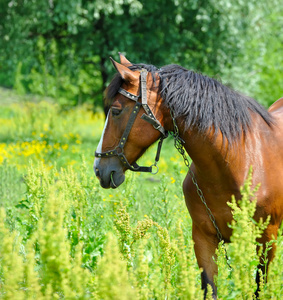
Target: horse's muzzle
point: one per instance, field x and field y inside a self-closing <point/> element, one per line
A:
<point x="109" y="173"/>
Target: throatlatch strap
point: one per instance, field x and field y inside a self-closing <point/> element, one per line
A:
<point x="143" y="86"/>
<point x="149" y="116"/>
<point x="155" y="123"/>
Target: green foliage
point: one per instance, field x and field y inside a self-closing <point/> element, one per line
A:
<point x="10" y="261"/>
<point x="112" y="278"/>
<point x="273" y="287"/>
<point x="61" y="49"/>
<point x="186" y="282"/>
<point x="257" y="70"/>
<point x="243" y="251"/>
<point x="243" y="240"/>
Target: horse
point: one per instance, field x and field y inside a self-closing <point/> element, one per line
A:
<point x="223" y="132"/>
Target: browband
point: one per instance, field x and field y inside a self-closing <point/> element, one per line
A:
<point x="128" y="94"/>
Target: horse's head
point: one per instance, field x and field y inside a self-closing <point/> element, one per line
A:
<point x="135" y="121"/>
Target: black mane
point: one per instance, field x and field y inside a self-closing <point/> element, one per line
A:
<point x="202" y="101"/>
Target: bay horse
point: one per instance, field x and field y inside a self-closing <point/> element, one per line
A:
<point x="222" y="131"/>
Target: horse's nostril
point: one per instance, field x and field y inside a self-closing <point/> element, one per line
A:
<point x="96" y="172"/>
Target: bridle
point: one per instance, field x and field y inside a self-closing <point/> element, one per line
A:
<point x="147" y="116"/>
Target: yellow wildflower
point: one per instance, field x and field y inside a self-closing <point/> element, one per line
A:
<point x="65" y="147"/>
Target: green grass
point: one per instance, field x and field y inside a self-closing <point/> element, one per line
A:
<point x="64" y="237"/>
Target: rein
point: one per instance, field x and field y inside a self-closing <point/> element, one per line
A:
<point x="149" y="117"/>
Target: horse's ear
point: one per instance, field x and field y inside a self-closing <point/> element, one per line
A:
<point x="124" y="60"/>
<point x="126" y="73"/>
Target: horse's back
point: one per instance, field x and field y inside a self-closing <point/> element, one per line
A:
<point x="276" y="107"/>
<point x="275" y="158"/>
<point x="276" y="110"/>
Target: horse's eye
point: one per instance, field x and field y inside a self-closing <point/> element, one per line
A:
<point x="115" y="111"/>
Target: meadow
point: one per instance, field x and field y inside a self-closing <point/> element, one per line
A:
<point x="64" y="237"/>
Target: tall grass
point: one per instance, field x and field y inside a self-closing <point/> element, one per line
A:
<point x="63" y="237"/>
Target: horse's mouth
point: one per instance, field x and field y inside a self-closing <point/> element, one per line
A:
<point x="114" y="181"/>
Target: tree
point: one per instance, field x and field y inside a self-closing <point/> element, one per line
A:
<point x="61" y="48"/>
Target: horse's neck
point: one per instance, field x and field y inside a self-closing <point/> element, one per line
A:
<point x="212" y="157"/>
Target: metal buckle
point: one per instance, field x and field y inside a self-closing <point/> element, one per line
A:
<point x="157" y="127"/>
<point x="156" y="171"/>
<point x="120" y="151"/>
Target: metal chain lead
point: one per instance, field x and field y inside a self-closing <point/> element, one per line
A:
<point x="178" y="142"/>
